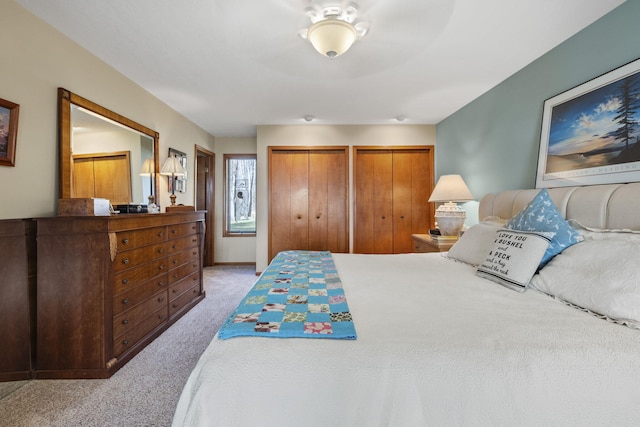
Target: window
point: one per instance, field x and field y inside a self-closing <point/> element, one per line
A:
<point x="239" y="195"/>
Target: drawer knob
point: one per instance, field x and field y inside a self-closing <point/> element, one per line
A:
<point x="125" y="321"/>
<point x="194" y="240"/>
<point x="125" y="241"/>
<point x="125" y="301"/>
<point x="160" y="299"/>
<point x="401" y="216"/>
<point x="159" y="233"/>
<point x="125" y="261"/>
<point x="383" y="217"/>
<point x="173" y="246"/>
<point x="161" y="267"/>
<point x="160" y="284"/>
<point x="175" y="276"/>
<point x="161" y="250"/>
<point x="175" y="305"/>
<point x="125" y="281"/>
<point x="160" y="316"/>
<point x="125" y="342"/>
<point x="174" y="231"/>
<point x="194" y="291"/>
<point x="194" y="252"/>
<point x="175" y="261"/>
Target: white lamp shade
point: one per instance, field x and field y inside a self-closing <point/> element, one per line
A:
<point x="331" y="37"/>
<point x="451" y="188"/>
<point x="172" y="167"/>
<point x="148" y="168"/>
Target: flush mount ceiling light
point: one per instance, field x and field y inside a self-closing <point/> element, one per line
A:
<point x="334" y="29"/>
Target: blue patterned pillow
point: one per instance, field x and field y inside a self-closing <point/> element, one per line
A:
<point x="541" y="214"/>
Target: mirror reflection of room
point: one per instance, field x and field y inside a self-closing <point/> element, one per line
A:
<point x="107" y="159"/>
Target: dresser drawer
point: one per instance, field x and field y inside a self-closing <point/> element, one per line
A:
<point x="137" y="295"/>
<point x="184" y="299"/>
<point x="133" y="335"/>
<point x="183" y="271"/>
<point x="135" y="257"/>
<point x="129" y="279"/>
<point x="183" y="257"/>
<point x="179" y="230"/>
<point x="180" y="287"/>
<point x="136" y="238"/>
<point x="131" y="318"/>
<point x="182" y="243"/>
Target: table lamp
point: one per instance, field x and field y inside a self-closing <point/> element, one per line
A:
<point x="449" y="216"/>
<point x="172" y="167"/>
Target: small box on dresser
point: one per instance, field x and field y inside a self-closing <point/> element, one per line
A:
<point x="110" y="285"/>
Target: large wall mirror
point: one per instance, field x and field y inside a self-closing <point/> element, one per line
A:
<point x="103" y="154"/>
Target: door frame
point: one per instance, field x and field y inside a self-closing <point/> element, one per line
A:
<point x="206" y="178"/>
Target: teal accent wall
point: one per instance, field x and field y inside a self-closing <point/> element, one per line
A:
<point x="493" y="141"/>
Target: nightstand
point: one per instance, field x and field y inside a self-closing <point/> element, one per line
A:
<point x="424" y="243"/>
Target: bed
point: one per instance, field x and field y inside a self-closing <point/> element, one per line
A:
<point x="439" y="345"/>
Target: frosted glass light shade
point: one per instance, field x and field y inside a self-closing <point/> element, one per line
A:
<point x="331" y="37"/>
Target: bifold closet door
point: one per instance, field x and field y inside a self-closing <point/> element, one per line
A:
<point x="308" y="199"/>
<point x="391" y="189"/>
<point x="288" y="201"/>
<point x="374" y="202"/>
<point x="328" y="201"/>
<point x="410" y="194"/>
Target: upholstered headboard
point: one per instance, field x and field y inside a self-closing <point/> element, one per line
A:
<point x="610" y="206"/>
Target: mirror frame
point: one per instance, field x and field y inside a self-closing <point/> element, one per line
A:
<point x="65" y="99"/>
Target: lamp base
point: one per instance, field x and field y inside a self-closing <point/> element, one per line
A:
<point x="450" y="219"/>
<point x="172" y="197"/>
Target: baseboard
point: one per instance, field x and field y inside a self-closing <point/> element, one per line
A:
<point x="234" y="263"/>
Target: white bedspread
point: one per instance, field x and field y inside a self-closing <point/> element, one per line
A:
<point x="437" y="346"/>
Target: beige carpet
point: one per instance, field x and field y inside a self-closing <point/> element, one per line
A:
<point x="146" y="390"/>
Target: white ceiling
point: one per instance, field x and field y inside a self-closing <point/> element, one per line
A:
<point x="229" y="65"/>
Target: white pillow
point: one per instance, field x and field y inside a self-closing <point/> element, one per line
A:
<point x="600" y="274"/>
<point x="514" y="258"/>
<point x="473" y="245"/>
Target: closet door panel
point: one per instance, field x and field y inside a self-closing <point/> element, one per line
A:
<point x="374" y="199"/>
<point x="402" y="203"/>
<point x="328" y="201"/>
<point x="280" y="209"/>
<point x="421" y="186"/>
<point x="300" y="201"/>
<point x="83" y="178"/>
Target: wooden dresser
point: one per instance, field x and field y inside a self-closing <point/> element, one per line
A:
<point x="17" y="288"/>
<point x="108" y="286"/>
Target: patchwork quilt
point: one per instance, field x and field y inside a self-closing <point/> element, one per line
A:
<point x="299" y="295"/>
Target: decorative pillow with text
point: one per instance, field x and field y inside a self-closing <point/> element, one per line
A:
<point x="514" y="258"/>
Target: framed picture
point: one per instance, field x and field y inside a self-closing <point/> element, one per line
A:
<point x="8" y="132"/>
<point x="181" y="181"/>
<point x="590" y="133"/>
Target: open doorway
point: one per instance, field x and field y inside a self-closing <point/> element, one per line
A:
<point x="205" y="173"/>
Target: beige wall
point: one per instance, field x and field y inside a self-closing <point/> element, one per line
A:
<point x="37" y="59"/>
<point x="230" y="249"/>
<point x="313" y="135"/>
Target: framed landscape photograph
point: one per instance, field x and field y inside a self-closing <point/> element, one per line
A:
<point x="590" y="133"/>
<point x="181" y="181"/>
<point x="8" y="132"/>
